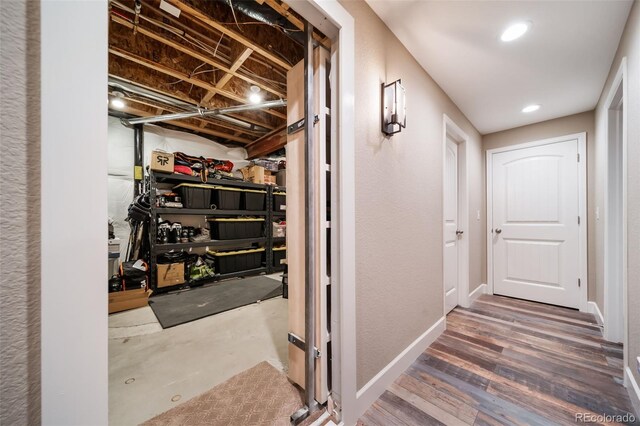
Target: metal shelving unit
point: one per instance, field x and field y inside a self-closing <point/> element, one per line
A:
<point x="271" y="217"/>
<point x="156" y="249"/>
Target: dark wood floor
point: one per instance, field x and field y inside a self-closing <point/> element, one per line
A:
<point x="508" y="362"/>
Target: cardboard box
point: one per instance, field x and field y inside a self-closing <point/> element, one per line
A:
<point x="161" y="162"/>
<point x="170" y="274"/>
<point x="255" y="174"/>
<point x="124" y="300"/>
<point x="270" y="180"/>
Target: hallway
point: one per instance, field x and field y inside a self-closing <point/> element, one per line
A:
<point x="509" y="361"/>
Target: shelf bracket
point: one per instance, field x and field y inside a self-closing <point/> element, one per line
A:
<point x="296" y="127"/>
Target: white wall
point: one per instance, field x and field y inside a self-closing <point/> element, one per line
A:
<point x="121" y="153"/>
<point x="74" y="212"/>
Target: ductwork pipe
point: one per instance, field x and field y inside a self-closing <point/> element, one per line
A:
<point x="203" y="113"/>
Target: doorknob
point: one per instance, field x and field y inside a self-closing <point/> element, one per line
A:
<point x="458" y="232"/>
<point x="498" y="230"/>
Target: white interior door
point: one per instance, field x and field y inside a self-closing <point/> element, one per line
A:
<point x="536" y="234"/>
<point x="451" y="231"/>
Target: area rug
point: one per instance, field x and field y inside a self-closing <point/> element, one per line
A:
<point x="184" y="306"/>
<point x="259" y="396"/>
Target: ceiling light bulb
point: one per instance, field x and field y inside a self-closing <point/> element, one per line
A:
<point x="255" y="98"/>
<point x="117" y="103"/>
<point x="254" y="89"/>
<point x="515" y="31"/>
<point x="531" y="108"/>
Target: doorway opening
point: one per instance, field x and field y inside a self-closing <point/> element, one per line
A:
<point x="212" y="207"/>
<point x="455" y="216"/>
<point x="615" y="248"/>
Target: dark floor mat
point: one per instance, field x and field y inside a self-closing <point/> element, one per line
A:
<point x="178" y="308"/>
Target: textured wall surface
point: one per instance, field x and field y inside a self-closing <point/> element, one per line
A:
<point x="399" y="287"/>
<point x="577" y="123"/>
<point x="19" y="213"/>
<point x="629" y="48"/>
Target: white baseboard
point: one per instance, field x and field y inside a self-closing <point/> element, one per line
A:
<point x="370" y="392"/>
<point x="593" y="309"/>
<point x="633" y="389"/>
<point x="481" y="289"/>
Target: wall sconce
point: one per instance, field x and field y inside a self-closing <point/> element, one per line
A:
<point x="394" y="109"/>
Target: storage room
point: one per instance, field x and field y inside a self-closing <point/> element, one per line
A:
<point x="197" y="184"/>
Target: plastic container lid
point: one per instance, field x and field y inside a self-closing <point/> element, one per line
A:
<point x="234" y="219"/>
<point x="231" y="253"/>
<point x="279" y="193"/>
<point x="195" y="185"/>
<point x="279" y="248"/>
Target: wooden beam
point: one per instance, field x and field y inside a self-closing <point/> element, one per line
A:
<point x="184" y="125"/>
<point x="231" y="72"/>
<point x="224" y="80"/>
<point x="185" y="77"/>
<point x="268" y="144"/>
<point x="187" y="9"/>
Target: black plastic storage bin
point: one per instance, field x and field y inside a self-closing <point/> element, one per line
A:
<point x="226" y="198"/>
<point x="236" y="261"/>
<point x="253" y="199"/>
<point x="279" y="253"/>
<point x="194" y="196"/>
<point x="279" y="201"/>
<point x="236" y="228"/>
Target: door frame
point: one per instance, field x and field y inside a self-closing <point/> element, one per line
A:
<point x="617" y="95"/>
<point x="74" y="356"/>
<point x="582" y="208"/>
<point x="457" y="135"/>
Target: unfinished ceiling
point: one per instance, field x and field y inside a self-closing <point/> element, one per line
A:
<point x="209" y="56"/>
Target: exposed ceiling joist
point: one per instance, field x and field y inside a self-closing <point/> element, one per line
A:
<point x="185" y="77"/>
<point x="187" y="9"/>
<point x="230" y="72"/>
<point x="185" y="125"/>
<point x="224" y="80"/>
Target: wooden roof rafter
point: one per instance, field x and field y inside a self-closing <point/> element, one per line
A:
<point x="184" y="77"/>
<point x="230" y="71"/>
<point x="193" y="12"/>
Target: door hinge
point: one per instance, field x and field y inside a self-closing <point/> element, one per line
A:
<point x="578" y="157"/>
<point x="579" y="282"/>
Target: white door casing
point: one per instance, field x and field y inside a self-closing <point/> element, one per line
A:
<point x="536" y="199"/>
<point x="451" y="257"/>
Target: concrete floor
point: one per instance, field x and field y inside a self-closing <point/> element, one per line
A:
<point x="152" y="370"/>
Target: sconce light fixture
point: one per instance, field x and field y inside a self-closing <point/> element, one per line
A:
<point x="394" y="110"/>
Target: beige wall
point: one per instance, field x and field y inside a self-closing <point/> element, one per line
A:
<point x="577" y="123"/>
<point x="20" y="213"/>
<point x="629" y="48"/>
<point x="399" y="199"/>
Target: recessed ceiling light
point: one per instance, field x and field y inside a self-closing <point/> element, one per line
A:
<point x="515" y="31"/>
<point x="531" y="108"/>
<point x="117" y="103"/>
